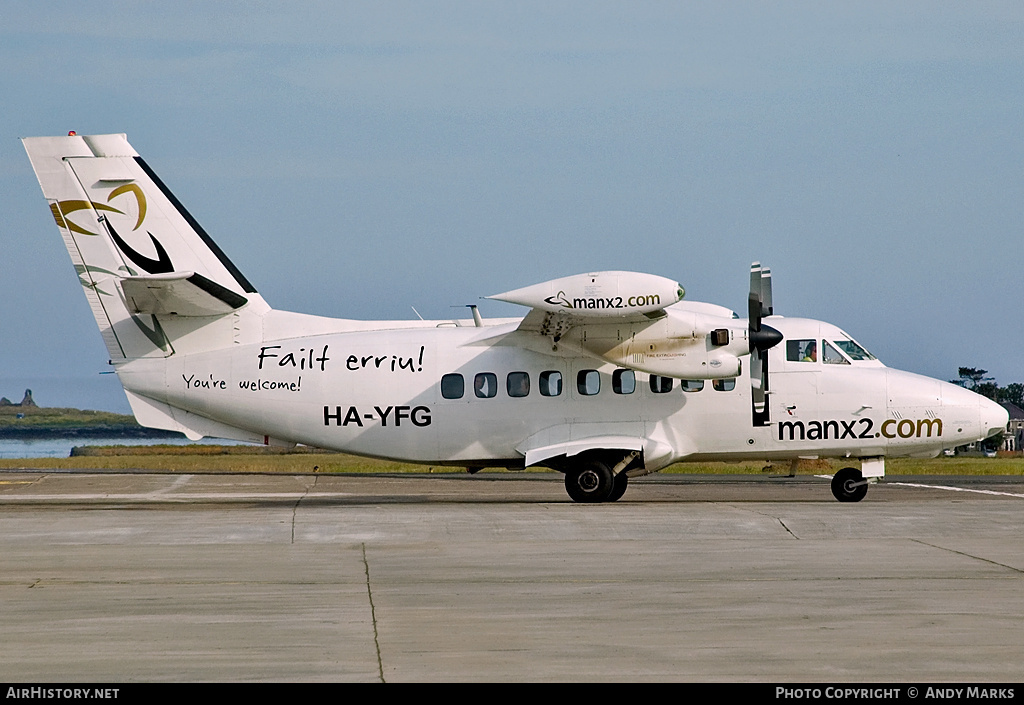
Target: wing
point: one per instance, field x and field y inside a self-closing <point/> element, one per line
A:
<point x="635" y="321"/>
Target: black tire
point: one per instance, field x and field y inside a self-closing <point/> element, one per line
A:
<point x="591" y="482"/>
<point x="619" y="488"/>
<point x="845" y="487"/>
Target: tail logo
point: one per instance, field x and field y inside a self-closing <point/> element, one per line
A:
<point x="154" y="266"/>
<point x="160" y="265"/>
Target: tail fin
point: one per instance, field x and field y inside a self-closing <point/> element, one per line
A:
<point x="140" y="256"/>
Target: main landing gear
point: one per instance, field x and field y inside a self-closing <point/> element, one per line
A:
<point x="593" y="480"/>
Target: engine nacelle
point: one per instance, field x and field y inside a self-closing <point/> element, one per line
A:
<point x="682" y="344"/>
<point x="599" y="295"/>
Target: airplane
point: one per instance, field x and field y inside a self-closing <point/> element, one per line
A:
<point x="610" y="375"/>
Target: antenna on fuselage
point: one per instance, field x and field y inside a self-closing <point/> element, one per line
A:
<point x="477" y="320"/>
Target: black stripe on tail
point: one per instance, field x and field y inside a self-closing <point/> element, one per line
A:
<point x="228" y="264"/>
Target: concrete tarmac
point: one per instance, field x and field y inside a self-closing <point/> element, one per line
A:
<point x="119" y="577"/>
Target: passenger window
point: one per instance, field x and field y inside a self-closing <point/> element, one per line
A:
<point x="661" y="385"/>
<point x="453" y="386"/>
<point x="802" y="350"/>
<point x="485" y="385"/>
<point x="518" y="384"/>
<point x="550" y="383"/>
<point x="724" y="385"/>
<point x="691" y="385"/>
<point x="588" y="382"/>
<point x="623" y="381"/>
<point x="831" y="356"/>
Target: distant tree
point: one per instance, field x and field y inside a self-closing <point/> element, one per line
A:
<point x="972" y="377"/>
<point x="1013" y="393"/>
<point x="988" y="389"/>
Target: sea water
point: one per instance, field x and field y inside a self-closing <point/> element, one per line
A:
<point x="100" y="392"/>
<point x="61" y="447"/>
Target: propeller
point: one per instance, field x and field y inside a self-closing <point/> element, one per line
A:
<point x="761" y="338"/>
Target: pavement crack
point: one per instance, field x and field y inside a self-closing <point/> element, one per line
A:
<point x="969" y="555"/>
<point x="373" y="617"/>
<point x="788" y="530"/>
<point x="781" y="521"/>
<point x="295" y="508"/>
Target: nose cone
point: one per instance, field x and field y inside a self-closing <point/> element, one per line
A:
<point x="993" y="418"/>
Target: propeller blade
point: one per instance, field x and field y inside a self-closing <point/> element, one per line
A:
<point x="766" y="292"/>
<point x="761" y="338"/>
<point x="754" y="313"/>
<point x="757" y="374"/>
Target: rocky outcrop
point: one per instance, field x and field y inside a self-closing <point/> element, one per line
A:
<point x="27" y="400"/>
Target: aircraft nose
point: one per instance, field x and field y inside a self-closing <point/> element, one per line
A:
<point x="981" y="417"/>
<point x="993" y="418"/>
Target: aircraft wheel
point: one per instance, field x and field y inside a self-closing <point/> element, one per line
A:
<point x="591" y="482"/>
<point x="619" y="487"/>
<point x="845" y="487"/>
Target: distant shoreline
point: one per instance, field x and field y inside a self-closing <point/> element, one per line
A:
<point x="29" y="422"/>
<point x="55" y="432"/>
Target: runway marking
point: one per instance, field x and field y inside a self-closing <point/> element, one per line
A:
<point x="957" y="489"/>
<point x="181" y="480"/>
<point x="158" y="497"/>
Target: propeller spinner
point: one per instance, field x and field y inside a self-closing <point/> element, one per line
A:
<point x="762" y="337"/>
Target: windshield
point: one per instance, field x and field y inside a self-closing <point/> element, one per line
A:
<point x="854" y="351"/>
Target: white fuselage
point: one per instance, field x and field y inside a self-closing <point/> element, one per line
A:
<point x="379" y="393"/>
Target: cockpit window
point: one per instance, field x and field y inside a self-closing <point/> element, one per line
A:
<point x="854" y="351"/>
<point x="831" y="356"/>
<point x="802" y="350"/>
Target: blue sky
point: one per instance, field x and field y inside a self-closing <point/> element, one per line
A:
<point x="360" y="159"/>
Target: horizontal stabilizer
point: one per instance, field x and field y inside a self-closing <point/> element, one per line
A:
<point x="179" y="294"/>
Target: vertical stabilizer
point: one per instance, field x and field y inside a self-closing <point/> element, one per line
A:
<point x="142" y="259"/>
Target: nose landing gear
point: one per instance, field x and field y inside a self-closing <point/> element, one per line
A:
<point x="849" y="485"/>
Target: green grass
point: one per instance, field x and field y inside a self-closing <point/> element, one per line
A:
<point x="207" y="458"/>
<point x="57" y="418"/>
